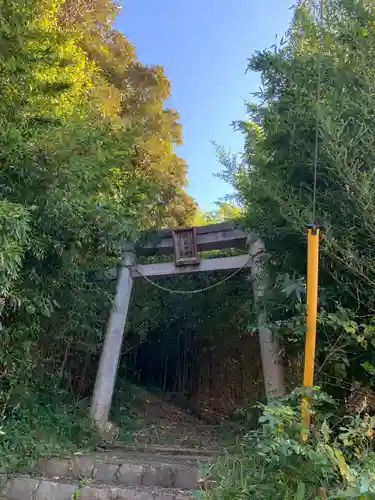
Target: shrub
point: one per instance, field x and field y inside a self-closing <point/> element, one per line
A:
<point x="336" y="461"/>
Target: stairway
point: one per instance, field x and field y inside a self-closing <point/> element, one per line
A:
<point x="137" y="473"/>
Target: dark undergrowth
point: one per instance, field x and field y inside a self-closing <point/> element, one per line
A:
<point x="43" y="425"/>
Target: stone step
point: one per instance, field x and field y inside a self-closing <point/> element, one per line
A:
<point x="128" y="469"/>
<point x="27" y="488"/>
<point x="163" y="450"/>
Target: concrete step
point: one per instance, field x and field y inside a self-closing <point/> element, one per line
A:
<point x="28" y="488"/>
<point x="164" y="450"/>
<point x="129" y="469"/>
<point x="146" y="474"/>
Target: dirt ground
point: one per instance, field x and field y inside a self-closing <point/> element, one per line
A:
<point x="144" y="418"/>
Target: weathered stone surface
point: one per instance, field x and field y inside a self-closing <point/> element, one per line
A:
<point x="48" y="490"/>
<point x="81" y="466"/>
<point x="171" y="495"/>
<point x="158" y="476"/>
<point x="105" y="472"/>
<point x="130" y="494"/>
<point x="91" y="493"/>
<point x="130" y="474"/>
<point x="110" y="476"/>
<point x="20" y="488"/>
<point x="186" y="479"/>
<point x="182" y="496"/>
<point x="54" y="467"/>
<point x="28" y="469"/>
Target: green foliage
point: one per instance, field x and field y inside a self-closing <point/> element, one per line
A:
<point x="275" y="180"/>
<point x="42" y="426"/>
<point x="39" y="62"/>
<point x="225" y="211"/>
<point x="14" y="239"/>
<point x="74" y="186"/>
<point x="273" y="462"/>
<point x="345" y="345"/>
<point x="274" y="183"/>
<point x="128" y="92"/>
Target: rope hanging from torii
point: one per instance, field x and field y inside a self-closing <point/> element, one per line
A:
<point x="198" y="290"/>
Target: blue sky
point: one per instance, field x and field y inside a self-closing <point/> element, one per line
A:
<point x="204" y="46"/>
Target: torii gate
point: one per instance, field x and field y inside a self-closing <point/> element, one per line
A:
<point x="185" y="245"/>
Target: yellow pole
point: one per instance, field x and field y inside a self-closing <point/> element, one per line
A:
<point x="311" y="315"/>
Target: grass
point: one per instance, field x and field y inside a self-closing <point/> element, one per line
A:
<point x="242" y="476"/>
<point x="44" y="425"/>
